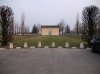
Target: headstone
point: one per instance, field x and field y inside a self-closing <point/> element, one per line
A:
<point x="11" y="46"/>
<point x="81" y="45"/>
<point x="59" y="46"/>
<point x="25" y="45"/>
<point x="66" y="45"/>
<point x="32" y="47"/>
<point x="46" y="47"/>
<point x="39" y="44"/>
<point x="53" y="44"/>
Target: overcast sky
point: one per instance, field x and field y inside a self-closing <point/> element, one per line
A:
<point x="48" y="12"/>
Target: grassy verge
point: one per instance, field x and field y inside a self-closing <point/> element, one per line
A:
<point x="47" y="40"/>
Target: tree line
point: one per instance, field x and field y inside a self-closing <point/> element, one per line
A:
<point x="88" y="28"/>
<point x="64" y="28"/>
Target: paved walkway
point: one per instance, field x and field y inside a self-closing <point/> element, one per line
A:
<point x="49" y="61"/>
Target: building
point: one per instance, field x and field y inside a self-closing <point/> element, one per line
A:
<point x="50" y="30"/>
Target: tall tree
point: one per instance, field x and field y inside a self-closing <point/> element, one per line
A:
<point x="15" y="27"/>
<point x="6" y="20"/>
<point x="34" y="30"/>
<point x="77" y="25"/>
<point x="67" y="29"/>
<point x="61" y="25"/>
<point x="22" y="24"/>
<point x="98" y="25"/>
<point x="39" y="28"/>
<point x="78" y="28"/>
<point x="89" y="22"/>
<point x="19" y="30"/>
<point x="26" y="29"/>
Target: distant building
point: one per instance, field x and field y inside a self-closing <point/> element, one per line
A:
<point x="50" y="30"/>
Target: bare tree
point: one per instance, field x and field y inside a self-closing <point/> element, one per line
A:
<point x="61" y="25"/>
<point x="15" y="28"/>
<point x="89" y="22"/>
<point x="78" y="29"/>
<point x="19" y="30"/>
<point x="26" y="29"/>
<point x="6" y="20"/>
<point x="39" y="28"/>
<point x="22" y="24"/>
<point x="77" y="25"/>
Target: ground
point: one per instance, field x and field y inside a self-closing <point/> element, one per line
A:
<point x="49" y="61"/>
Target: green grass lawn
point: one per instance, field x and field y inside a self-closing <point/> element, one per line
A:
<point x="47" y="40"/>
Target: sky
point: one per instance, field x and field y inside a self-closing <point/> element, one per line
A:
<point x="48" y="12"/>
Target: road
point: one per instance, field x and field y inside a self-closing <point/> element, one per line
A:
<point x="49" y="61"/>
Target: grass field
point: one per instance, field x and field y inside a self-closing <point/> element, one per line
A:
<point x="47" y="40"/>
